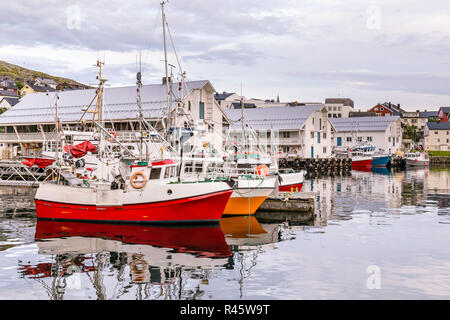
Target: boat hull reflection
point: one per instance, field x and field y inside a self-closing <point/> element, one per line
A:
<point x="246" y="230"/>
<point x="198" y="241"/>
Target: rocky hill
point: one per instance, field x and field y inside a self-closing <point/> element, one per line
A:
<point x="22" y="75"/>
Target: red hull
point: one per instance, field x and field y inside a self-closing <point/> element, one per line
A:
<point x="290" y="187"/>
<point x="203" y="208"/>
<point x="362" y="163"/>
<point x="206" y="241"/>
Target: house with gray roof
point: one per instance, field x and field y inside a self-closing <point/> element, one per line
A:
<point x="44" y="82"/>
<point x="385" y="133"/>
<point x="303" y="131"/>
<point x="437" y="136"/>
<point x="6" y="103"/>
<point x="31" y="121"/>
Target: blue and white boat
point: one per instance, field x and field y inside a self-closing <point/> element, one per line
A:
<point x="380" y="160"/>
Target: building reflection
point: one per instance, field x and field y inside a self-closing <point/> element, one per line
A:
<point x="376" y="189"/>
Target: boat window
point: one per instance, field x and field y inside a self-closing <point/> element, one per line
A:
<point x="188" y="167"/>
<point x="155" y="173"/>
<point x="199" y="167"/>
<point x="167" y="172"/>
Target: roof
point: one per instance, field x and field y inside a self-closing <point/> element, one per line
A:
<point x="46" y="80"/>
<point x="445" y="109"/>
<point x="237" y="105"/>
<point x="8" y="93"/>
<point x="11" y="101"/>
<point x="362" y="114"/>
<point x="40" y="88"/>
<point x="362" y="123"/>
<point x="428" y="114"/>
<point x="120" y="104"/>
<point x="282" y="118"/>
<point x="222" y="96"/>
<point x="438" y="125"/>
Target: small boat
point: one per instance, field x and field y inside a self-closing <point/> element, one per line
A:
<point x="249" y="193"/>
<point x="417" y="159"/>
<point x="380" y="160"/>
<point x="291" y="181"/>
<point x="360" y="159"/>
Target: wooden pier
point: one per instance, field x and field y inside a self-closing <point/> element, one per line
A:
<point x="329" y="166"/>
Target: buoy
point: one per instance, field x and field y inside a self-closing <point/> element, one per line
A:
<point x="262" y="170"/>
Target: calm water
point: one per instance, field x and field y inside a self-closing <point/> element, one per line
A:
<point x="376" y="236"/>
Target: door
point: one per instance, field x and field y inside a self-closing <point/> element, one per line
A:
<point x="339" y="141"/>
<point x="201" y="110"/>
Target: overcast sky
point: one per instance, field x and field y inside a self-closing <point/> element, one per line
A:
<point x="304" y="50"/>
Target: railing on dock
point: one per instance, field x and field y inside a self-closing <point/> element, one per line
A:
<point x="15" y="173"/>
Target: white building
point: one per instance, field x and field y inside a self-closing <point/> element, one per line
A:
<point x="303" y="131"/>
<point x="43" y="82"/>
<point x="31" y="122"/>
<point x="437" y="136"/>
<point x="339" y="107"/>
<point x="382" y="132"/>
<point x="226" y="99"/>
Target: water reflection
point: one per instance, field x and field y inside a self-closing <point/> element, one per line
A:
<point x="147" y="256"/>
<point x="378" y="190"/>
<point x="244" y="257"/>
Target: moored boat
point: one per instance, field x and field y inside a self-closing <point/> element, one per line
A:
<point x="417" y="159"/>
<point x="249" y="193"/>
<point x="360" y="159"/>
<point x="291" y="181"/>
<point x="380" y="160"/>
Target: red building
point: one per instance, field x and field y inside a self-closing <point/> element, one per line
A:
<point x="387" y="109"/>
<point x="381" y="110"/>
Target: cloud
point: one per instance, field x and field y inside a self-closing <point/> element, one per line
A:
<point x="297" y="48"/>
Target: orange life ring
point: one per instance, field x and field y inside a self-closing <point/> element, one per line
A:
<point x="114" y="134"/>
<point x="138" y="184"/>
<point x="262" y="170"/>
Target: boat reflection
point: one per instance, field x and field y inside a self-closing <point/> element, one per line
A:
<point x="153" y="255"/>
<point x="247" y="231"/>
<point x="381" y="170"/>
<point x="198" y="241"/>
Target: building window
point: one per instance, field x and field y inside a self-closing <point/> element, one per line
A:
<point x="312" y="134"/>
<point x="286" y="134"/>
<point x="359" y="139"/>
<point x="349" y="139"/>
<point x="324" y="149"/>
<point x="318" y="137"/>
<point x="324" y="135"/>
<point x="436" y="132"/>
<point x="369" y="139"/>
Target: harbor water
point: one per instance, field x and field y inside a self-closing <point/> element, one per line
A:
<point x="376" y="235"/>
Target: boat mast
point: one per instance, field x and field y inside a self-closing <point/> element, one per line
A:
<point x="166" y="66"/>
<point x="139" y="103"/>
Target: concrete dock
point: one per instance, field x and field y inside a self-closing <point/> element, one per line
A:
<point x="297" y="208"/>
